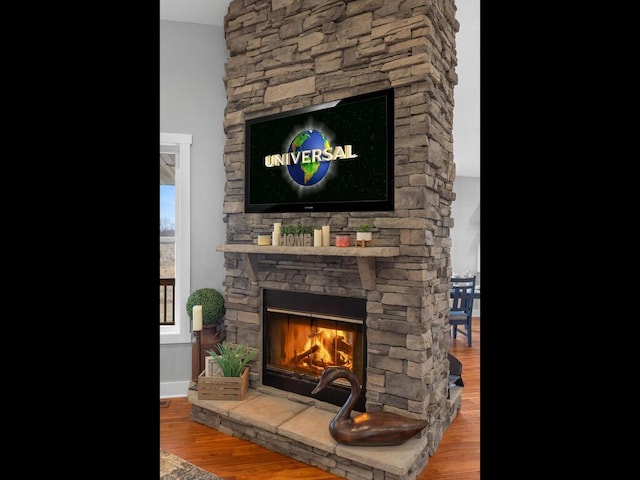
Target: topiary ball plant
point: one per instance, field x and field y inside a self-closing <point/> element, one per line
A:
<point x="212" y="303"/>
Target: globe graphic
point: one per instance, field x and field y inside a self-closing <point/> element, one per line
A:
<point x="307" y="174"/>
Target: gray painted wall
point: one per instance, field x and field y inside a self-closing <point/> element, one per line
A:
<point x="465" y="234"/>
<point x="192" y="101"/>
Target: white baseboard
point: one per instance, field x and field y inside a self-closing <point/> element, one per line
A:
<point x="174" y="389"/>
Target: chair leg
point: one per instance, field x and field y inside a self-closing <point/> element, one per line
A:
<point x="454" y="332"/>
<point x="469" y="334"/>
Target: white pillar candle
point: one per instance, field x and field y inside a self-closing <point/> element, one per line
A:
<point x="326" y="236"/>
<point x="275" y="241"/>
<point x="197" y="318"/>
<point x="317" y="237"/>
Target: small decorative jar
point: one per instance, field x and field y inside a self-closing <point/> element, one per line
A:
<point x="342" y="240"/>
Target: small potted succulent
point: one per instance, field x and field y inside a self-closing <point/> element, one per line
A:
<point x="364" y="232"/>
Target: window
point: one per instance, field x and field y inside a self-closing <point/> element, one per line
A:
<point x="167" y="238"/>
<point x="175" y="234"/>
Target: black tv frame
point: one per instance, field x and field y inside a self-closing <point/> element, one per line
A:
<point x="337" y="205"/>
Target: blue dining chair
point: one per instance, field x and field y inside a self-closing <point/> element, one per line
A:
<point x="461" y="309"/>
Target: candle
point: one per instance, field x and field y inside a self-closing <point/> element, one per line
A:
<point x="326" y="236"/>
<point x="275" y="241"/>
<point x="197" y="318"/>
<point x="317" y="237"/>
<point x="264" y="239"/>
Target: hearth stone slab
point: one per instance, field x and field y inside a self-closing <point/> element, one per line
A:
<point x="223" y="407"/>
<point x="300" y="430"/>
<point x="310" y="427"/>
<point x="397" y="459"/>
<point x="266" y="412"/>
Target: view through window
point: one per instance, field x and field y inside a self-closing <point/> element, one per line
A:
<point x="167" y="238"/>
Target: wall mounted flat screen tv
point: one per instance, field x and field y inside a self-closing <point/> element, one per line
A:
<point x="336" y="156"/>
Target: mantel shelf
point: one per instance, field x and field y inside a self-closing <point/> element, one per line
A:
<point x="365" y="256"/>
<point x="336" y="251"/>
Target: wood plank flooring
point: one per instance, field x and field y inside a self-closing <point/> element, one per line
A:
<point x="457" y="456"/>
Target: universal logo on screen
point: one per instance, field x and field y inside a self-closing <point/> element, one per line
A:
<point x="309" y="158"/>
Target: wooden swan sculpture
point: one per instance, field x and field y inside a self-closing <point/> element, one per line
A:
<point x="376" y="428"/>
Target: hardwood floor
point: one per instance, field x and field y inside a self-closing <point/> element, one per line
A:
<point x="457" y="456"/>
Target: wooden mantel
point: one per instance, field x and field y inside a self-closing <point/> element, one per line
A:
<point x="365" y="256"/>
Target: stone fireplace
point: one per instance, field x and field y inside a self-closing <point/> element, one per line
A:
<point x="304" y="334"/>
<point x="285" y="55"/>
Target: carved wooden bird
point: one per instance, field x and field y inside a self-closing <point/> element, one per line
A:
<point x="376" y="428"/>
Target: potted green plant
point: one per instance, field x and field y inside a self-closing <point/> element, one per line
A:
<point x="212" y="302"/>
<point x="213" y="310"/>
<point x="364" y="232"/>
<point x="296" y="229"/>
<point x="233" y="360"/>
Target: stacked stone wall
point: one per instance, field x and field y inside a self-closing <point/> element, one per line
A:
<point x="288" y="54"/>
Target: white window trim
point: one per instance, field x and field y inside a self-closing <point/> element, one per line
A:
<point x="180" y="144"/>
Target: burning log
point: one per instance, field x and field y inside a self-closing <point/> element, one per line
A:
<point x="344" y="346"/>
<point x="306" y="353"/>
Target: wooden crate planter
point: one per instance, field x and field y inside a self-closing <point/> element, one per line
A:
<point x="223" y="388"/>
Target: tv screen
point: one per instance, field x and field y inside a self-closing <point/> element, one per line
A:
<point x="336" y="156"/>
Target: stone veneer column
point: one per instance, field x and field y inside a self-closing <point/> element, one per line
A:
<point x="287" y="54"/>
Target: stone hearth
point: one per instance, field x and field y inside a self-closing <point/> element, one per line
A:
<point x="298" y="427"/>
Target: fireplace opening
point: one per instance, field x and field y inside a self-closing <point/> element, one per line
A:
<point x="306" y="333"/>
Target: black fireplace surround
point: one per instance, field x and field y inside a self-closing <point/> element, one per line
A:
<point x="297" y="368"/>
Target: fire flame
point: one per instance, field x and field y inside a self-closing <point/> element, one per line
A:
<point x="327" y="347"/>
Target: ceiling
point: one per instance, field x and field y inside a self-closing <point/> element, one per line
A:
<point x="207" y="12"/>
<point x="466" y="113"/>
